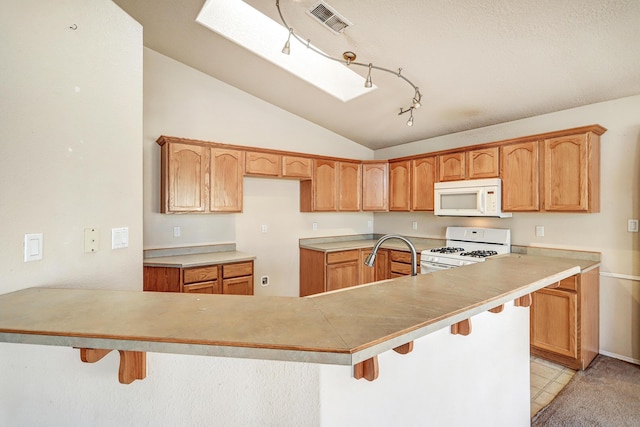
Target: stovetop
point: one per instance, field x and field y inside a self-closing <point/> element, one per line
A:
<point x="466" y="245"/>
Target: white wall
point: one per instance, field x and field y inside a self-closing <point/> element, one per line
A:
<point x="180" y="101"/>
<point x="604" y="232"/>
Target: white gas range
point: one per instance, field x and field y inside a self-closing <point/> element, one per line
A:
<point x="464" y="246"/>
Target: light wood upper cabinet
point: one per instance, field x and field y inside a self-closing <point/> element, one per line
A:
<point x="520" y="177"/>
<point x="320" y="193"/>
<point x="350" y="186"/>
<point x="262" y="164"/>
<point x="451" y="167"/>
<point x="483" y="163"/>
<point x="184" y="180"/>
<point x="423" y="176"/>
<point x="572" y="173"/>
<point x="227" y="168"/>
<point x="296" y="167"/>
<point x="400" y="185"/>
<point x="375" y="186"/>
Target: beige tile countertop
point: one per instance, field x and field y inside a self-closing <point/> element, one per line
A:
<point x="198" y="260"/>
<point x="365" y="242"/>
<point x="195" y="256"/>
<point x="343" y="327"/>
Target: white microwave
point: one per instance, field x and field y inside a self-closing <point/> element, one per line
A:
<point x="474" y="197"/>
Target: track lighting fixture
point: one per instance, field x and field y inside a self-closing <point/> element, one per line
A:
<point x="367" y="83"/>
<point x="287" y="46"/>
<point x="349" y="59"/>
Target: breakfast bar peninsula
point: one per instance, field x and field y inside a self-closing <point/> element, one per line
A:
<point x="461" y="341"/>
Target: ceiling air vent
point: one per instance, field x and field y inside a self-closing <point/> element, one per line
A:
<point x="329" y="18"/>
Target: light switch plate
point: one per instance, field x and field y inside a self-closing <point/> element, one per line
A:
<point x="33" y="247"/>
<point x="539" y="230"/>
<point x="632" y="225"/>
<point x="119" y="238"/>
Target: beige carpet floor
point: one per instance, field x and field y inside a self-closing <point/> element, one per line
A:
<point x="606" y="394"/>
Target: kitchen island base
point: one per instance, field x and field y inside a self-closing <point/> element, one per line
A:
<point x="479" y="379"/>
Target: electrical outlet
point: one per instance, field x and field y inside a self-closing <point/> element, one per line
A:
<point x="264" y="280"/>
<point x="414" y="225"/>
<point x="314" y="226"/>
<point x="176" y="231"/>
<point x="264" y="228"/>
<point x="369" y="224"/>
<point x="632" y="225"/>
<point x="539" y="231"/>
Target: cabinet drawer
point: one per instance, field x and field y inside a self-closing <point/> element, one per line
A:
<point x="210" y="287"/>
<point x="405" y="257"/>
<point x="342" y="256"/>
<point x="237" y="270"/>
<point x="569" y="284"/>
<point x="400" y="268"/>
<point x="201" y="274"/>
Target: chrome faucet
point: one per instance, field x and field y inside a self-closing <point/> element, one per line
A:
<point x="414" y="256"/>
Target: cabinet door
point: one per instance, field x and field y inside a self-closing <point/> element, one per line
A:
<point x="520" y="170"/>
<point x="262" y="164"/>
<point x="296" y="167"/>
<point x="375" y="187"/>
<point x="423" y="176"/>
<point x="202" y="288"/>
<point x="451" y="167"/>
<point x="554" y="322"/>
<point x="380" y="269"/>
<point x="185" y="169"/>
<point x="227" y="167"/>
<point x="483" y="163"/>
<point x="342" y="275"/>
<point x="161" y="279"/>
<point x="367" y="274"/>
<point x="238" y="286"/>
<point x="350" y="184"/>
<point x="566" y="174"/>
<point x="325" y="185"/>
<point x="400" y="186"/>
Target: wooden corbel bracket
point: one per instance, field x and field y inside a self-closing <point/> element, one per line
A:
<point x="523" y="301"/>
<point x="461" y="328"/>
<point x="133" y="364"/>
<point x="497" y="309"/>
<point x="367" y="369"/>
<point x="404" y="348"/>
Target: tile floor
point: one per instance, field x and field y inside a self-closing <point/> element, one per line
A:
<point x="547" y="379"/>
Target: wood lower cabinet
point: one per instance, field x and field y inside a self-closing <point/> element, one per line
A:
<point x="327" y="271"/>
<point x="519" y="168"/>
<point x="232" y="278"/>
<point x="565" y="321"/>
<point x="400" y="263"/>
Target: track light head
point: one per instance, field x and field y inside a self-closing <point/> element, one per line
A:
<point x="410" y="121"/>
<point x="368" y="82"/>
<point x="287" y="46"/>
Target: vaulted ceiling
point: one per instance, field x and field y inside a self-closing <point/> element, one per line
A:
<point x="476" y="62"/>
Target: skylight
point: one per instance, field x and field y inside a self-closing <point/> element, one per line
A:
<point x="237" y="21"/>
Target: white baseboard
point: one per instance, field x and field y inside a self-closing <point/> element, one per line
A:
<point x="621" y="357"/>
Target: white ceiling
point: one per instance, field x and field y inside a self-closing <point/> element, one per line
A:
<point x="476" y="62"/>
